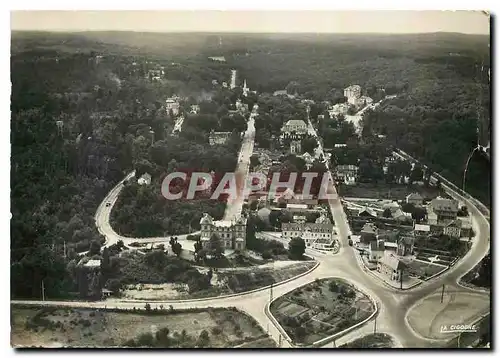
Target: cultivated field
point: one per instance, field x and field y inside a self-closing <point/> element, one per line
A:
<point x="98" y="328"/>
<point x="422" y="270"/>
<point x="320" y="309"/>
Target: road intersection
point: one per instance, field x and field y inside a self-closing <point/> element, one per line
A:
<point x="393" y="304"/>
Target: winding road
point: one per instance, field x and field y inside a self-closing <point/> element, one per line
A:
<point x="393" y="304"/>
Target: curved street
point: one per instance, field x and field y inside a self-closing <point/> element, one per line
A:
<point x="393" y="304"/>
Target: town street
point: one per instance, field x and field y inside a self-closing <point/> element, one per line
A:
<point x="393" y="304"/>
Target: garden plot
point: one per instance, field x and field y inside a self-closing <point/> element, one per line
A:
<point x="321" y="309"/>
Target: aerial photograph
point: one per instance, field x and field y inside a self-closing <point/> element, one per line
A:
<point x="250" y="179"/>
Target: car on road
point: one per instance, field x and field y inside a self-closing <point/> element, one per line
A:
<point x="350" y="242"/>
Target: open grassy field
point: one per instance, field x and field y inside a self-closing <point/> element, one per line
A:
<point x="98" y="328"/>
<point x="374" y="340"/>
<point x="386" y="191"/>
<point x="224" y="282"/>
<point x="458" y="307"/>
<point x="320" y="309"/>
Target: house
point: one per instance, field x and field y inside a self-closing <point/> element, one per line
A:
<point x="453" y="228"/>
<point x="339" y="108"/>
<point x="218" y="137"/>
<point x="296" y="207"/>
<point x="400" y="215"/>
<point x="294" y="126"/>
<point x="299" y="219"/>
<point x="195" y="109"/>
<point x="319" y="235"/>
<point x="368" y="233"/>
<point x="308" y="158"/>
<point x="367" y="212"/>
<point x="405" y="245"/>
<point x="347" y="173"/>
<point x="241" y="107"/>
<point x="92" y="264"/>
<point x="415" y="199"/>
<point x="145" y="179"/>
<point x="171" y="104"/>
<point x="365" y="101"/>
<point x="217" y="58"/>
<point x="283" y="93"/>
<point x="392" y="206"/>
<point x="353" y="93"/>
<point x="445" y="209"/>
<point x="376" y="250"/>
<point x="431" y="217"/>
<point x="422" y="230"/>
<point x="466" y="229"/>
<point x="390" y="246"/>
<point x="391" y="267"/>
<point x="232" y="233"/>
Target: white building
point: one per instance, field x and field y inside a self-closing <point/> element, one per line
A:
<point x="376" y="250"/>
<point x="218" y="137"/>
<point x="145" y="179"/>
<point x="195" y="109"/>
<point x="353" y="93"/>
<point x="231" y="233"/>
<point x="318" y="235"/>
<point x="172" y="104"/>
<point x="296" y="126"/>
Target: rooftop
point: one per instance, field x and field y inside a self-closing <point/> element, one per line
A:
<point x="223" y="223"/>
<point x="296" y="122"/>
<point x="296" y="206"/>
<point x="93" y="263"/>
<point x="414" y="196"/>
<point x="393" y="262"/>
<point x="420" y="227"/>
<point x="442" y="204"/>
<point x="369" y="228"/>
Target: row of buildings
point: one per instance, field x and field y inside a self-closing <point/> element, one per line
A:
<point x="319" y="235"/>
<point x="386" y="251"/>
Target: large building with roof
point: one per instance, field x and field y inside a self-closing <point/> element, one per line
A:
<point x="318" y="235"/>
<point x="294" y="128"/>
<point x="445" y="209"/>
<point x="392" y="267"/>
<point x="231" y="233"/>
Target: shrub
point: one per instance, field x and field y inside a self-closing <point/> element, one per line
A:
<point x="216" y="331"/>
<point x="145" y="340"/>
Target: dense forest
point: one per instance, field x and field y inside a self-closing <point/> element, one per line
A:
<point x="83" y="114"/>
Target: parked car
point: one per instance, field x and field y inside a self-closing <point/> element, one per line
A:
<point x="350" y="242"/>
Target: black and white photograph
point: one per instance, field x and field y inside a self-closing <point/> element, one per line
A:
<point x="250" y="179"/>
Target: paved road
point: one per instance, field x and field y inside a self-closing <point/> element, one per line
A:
<point x="393" y="304"/>
<point x="233" y="209"/>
